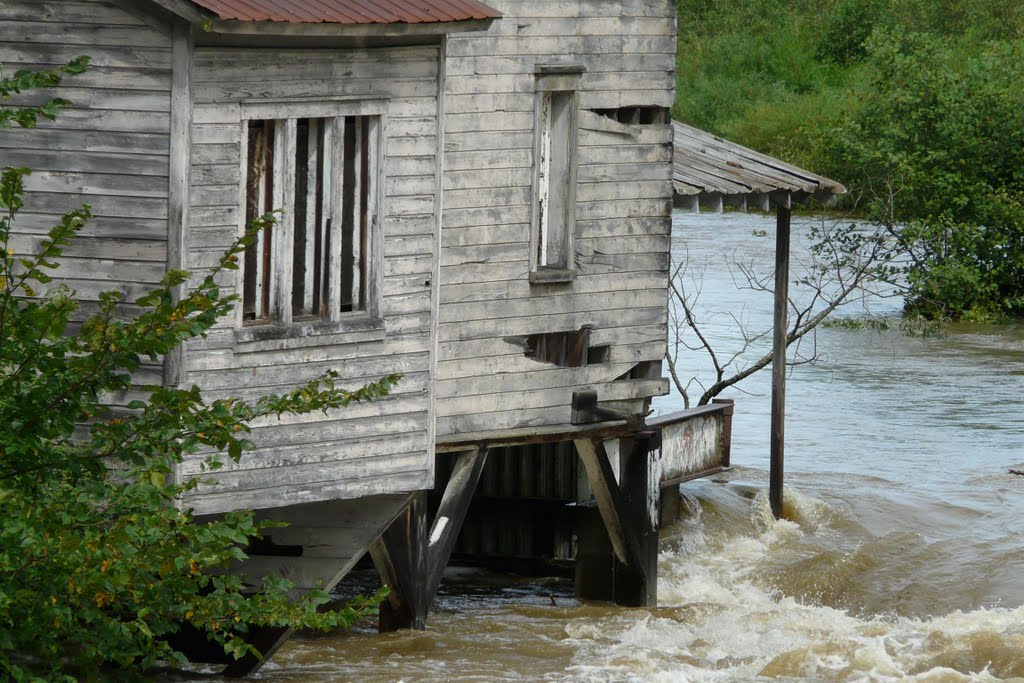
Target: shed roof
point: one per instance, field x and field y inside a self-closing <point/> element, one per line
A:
<point x="705" y="165"/>
<point x="349" y="11"/>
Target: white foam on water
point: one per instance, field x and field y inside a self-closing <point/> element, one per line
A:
<point x="717" y="622"/>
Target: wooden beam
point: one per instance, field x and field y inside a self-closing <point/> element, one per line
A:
<point x="727" y="413"/>
<point x="400" y="558"/>
<point x="451" y="514"/>
<point x="630" y="513"/>
<point x="610" y="500"/>
<point x="782" y="225"/>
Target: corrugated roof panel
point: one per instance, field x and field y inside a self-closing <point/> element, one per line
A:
<point x="349" y="11"/>
<point x="703" y="162"/>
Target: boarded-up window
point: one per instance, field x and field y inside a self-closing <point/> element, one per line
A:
<point x="554" y="198"/>
<point x="315" y="263"/>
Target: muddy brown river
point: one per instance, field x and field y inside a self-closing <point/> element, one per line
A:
<point x="902" y="558"/>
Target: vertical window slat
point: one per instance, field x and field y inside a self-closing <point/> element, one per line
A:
<point x="355" y="273"/>
<point x="334" y="268"/>
<point x="302" y="226"/>
<point x="370" y="156"/>
<point x="284" y="198"/>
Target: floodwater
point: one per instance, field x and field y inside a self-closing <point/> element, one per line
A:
<point x="901" y="557"/>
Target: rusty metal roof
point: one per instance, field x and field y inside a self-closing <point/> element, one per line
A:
<point x="704" y="164"/>
<point x="349" y="11"/>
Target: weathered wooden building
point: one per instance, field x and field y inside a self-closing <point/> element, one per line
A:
<point x="476" y="196"/>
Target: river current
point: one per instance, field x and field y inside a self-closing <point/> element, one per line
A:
<point x="900" y="558"/>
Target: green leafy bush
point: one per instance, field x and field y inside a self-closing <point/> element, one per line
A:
<point x="937" y="150"/>
<point x="98" y="563"/>
<point x="917" y="106"/>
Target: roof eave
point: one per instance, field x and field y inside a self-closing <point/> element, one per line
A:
<point x="332" y="30"/>
<point x="208" y="22"/>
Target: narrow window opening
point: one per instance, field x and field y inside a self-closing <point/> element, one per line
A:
<point x="554" y="178"/>
<point x="331" y="195"/>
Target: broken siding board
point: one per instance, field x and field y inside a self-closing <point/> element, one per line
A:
<point x="461" y="351"/>
<point x="494" y="356"/>
<point x="514" y="379"/>
<point x="536" y="324"/>
<point x="570" y="303"/>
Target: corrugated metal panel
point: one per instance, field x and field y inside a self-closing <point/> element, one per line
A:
<point x="350" y="11"/>
<point x="704" y="163"/>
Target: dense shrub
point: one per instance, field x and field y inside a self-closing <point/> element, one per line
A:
<point x="98" y="562"/>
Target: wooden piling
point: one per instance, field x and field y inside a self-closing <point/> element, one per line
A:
<point x="782" y="226"/>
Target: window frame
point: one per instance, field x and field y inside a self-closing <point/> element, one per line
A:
<point x="285" y="114"/>
<point x="551" y="79"/>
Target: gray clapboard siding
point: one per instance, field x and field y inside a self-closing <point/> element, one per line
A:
<point x="623" y="192"/>
<point x="473" y="367"/>
<point x="584" y="284"/>
<point x="301" y="454"/>
<point x="340" y="491"/>
<point x="109" y="150"/>
<point x="373" y="448"/>
<point x="540" y="323"/>
<point x="83" y="12"/>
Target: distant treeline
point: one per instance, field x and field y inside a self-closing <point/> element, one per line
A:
<point x="916" y="105"/>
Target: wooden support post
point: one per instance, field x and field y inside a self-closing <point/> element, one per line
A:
<point x="266" y="639"/>
<point x="727" y="414"/>
<point x="411" y="561"/>
<point x="451" y="514"/>
<point x="400" y="557"/>
<point x="782" y="218"/>
<point x="630" y="516"/>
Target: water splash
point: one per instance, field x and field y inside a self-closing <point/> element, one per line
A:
<point x="729" y="614"/>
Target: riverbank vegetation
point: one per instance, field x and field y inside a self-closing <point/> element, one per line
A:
<point x="916" y="105"/>
<point x="99" y="564"/>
